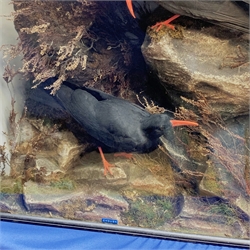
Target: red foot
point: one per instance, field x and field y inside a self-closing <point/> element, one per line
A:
<point x="123" y="154"/>
<point x="106" y="164"/>
<point x="159" y="25"/>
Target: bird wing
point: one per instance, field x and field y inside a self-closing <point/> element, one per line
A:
<point x="112" y="121"/>
<point x="102" y="96"/>
<point x="119" y="124"/>
<point x="98" y="94"/>
<point x="79" y="104"/>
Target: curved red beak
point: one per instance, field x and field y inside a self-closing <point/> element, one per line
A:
<point x="176" y="123"/>
<point x="130" y="7"/>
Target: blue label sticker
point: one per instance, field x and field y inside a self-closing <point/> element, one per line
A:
<point x="110" y="221"/>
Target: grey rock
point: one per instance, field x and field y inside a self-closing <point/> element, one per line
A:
<point x="195" y="65"/>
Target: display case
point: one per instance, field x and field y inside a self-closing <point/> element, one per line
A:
<point x="164" y="109"/>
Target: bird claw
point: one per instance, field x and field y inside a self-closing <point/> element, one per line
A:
<point x="106" y="164"/>
<point x="107" y="167"/>
<point x="159" y="25"/>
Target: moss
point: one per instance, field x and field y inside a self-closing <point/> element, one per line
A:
<point x="11" y="186"/>
<point x="226" y="210"/>
<point x="15" y="187"/>
<point x="63" y="184"/>
<point x="157" y="35"/>
<point x="166" y="205"/>
<point x="149" y="212"/>
<point x="18" y="187"/>
<point x="210" y="181"/>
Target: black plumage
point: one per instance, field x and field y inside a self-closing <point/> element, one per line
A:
<point x="118" y="124"/>
<point x="227" y="13"/>
<point x="115" y="124"/>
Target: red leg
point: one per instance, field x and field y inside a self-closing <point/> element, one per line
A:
<point x="159" y="25"/>
<point x="106" y="164"/>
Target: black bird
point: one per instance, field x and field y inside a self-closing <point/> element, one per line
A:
<point x="226" y="13"/>
<point x="115" y="123"/>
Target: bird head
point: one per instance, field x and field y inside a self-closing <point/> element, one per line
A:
<point x="160" y="124"/>
<point x="166" y="126"/>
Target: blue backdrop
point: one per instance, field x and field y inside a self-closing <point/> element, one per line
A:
<point x="22" y="236"/>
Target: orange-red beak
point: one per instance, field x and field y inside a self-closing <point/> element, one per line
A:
<point x="176" y="123"/>
<point x="130" y="7"/>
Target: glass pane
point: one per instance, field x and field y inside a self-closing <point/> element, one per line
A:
<point x="127" y="121"/>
